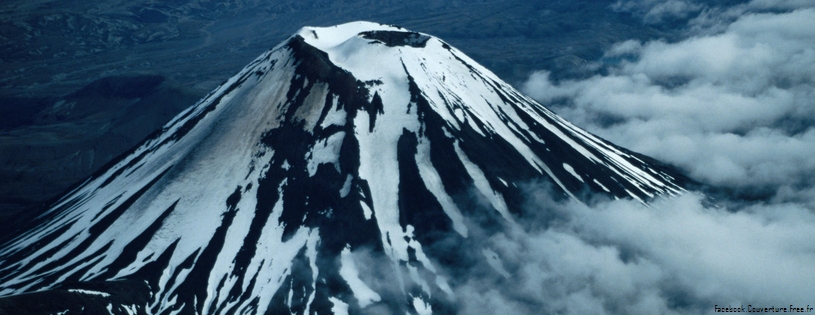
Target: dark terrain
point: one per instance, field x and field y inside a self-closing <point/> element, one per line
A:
<point x="83" y="82"/>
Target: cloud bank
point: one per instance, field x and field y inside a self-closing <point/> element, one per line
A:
<point x="733" y="109"/>
<point x="674" y="257"/>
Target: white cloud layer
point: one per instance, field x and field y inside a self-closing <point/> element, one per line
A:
<point x="735" y="108"/>
<point x="675" y="257"/>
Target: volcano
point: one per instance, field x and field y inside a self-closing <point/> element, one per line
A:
<point x="339" y="147"/>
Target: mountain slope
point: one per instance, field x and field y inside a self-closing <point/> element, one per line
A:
<point x="358" y="138"/>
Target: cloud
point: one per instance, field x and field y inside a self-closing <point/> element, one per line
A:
<point x="656" y="11"/>
<point x="673" y="257"/>
<point x="733" y="109"/>
<point x="780" y="4"/>
<point x="763" y="254"/>
<point x="702" y="16"/>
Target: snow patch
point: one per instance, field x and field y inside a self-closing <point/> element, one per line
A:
<point x="346" y="187"/>
<point x="366" y="211"/>
<point x="570" y="169"/>
<point x="325" y="152"/>
<point x="336" y="116"/>
<point x="102" y="294"/>
<point x="495" y="262"/>
<point x="601" y="185"/>
<point x="441" y="282"/>
<point x="339" y="308"/>
<point x="349" y="272"/>
<point x="421" y="307"/>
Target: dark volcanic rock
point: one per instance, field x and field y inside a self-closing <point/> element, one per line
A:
<point x="396" y="38"/>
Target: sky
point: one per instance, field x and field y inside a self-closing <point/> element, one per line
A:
<point x="732" y="104"/>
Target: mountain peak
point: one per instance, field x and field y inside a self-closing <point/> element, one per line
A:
<point x="327" y="38"/>
<point x="358" y="138"/>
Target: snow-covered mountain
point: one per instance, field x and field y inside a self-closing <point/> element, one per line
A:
<point x="263" y="197"/>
